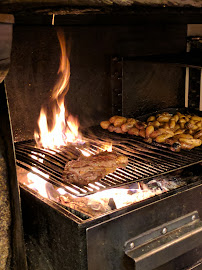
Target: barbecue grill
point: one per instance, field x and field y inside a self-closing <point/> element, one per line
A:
<point x="127" y="60"/>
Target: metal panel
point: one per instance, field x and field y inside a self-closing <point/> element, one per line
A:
<point x="105" y="241"/>
<point x="165" y="243"/>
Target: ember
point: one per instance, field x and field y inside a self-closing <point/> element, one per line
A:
<point x="103" y="201"/>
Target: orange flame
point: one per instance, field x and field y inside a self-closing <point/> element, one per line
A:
<point x="64" y="129"/>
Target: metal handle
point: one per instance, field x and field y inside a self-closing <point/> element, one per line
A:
<point x="165" y="243"/>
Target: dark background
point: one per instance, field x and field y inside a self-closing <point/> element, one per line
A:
<point x="35" y="61"/>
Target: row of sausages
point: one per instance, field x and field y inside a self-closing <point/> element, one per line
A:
<point x="181" y="131"/>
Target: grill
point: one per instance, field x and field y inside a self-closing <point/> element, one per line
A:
<point x="127" y="58"/>
<point x="145" y="161"/>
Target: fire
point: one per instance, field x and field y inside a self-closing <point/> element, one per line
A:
<point x="65" y="127"/>
<point x="107" y="147"/>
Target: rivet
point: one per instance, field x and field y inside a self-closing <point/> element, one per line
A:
<point x="164" y="230"/>
<point x="132" y="245"/>
<point x="193" y="217"/>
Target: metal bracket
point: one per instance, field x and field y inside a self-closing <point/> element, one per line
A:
<point x="166" y="242"/>
<point x="116" y="85"/>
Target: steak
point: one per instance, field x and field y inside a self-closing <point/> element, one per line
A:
<point x="90" y="169"/>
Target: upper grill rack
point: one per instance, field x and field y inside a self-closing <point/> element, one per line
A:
<point x="145" y="161"/>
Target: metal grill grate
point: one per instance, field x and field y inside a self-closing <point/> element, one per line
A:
<point x="145" y="161"/>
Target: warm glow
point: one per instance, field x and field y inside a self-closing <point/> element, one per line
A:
<point x="121" y="196"/>
<point x="38" y="184"/>
<point x="85" y="153"/>
<point x="64" y="126"/>
<point x="107" y="147"/>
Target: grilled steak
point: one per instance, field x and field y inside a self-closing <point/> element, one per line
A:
<point x="86" y="170"/>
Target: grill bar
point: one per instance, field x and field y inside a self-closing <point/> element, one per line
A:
<point x="145" y="161"/>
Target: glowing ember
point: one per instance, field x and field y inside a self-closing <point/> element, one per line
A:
<point x="107" y="147"/>
<point x="65" y="127"/>
<point x="38" y="184"/>
<point x="85" y="153"/>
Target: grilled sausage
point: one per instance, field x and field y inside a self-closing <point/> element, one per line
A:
<point x="179" y="131"/>
<point x="148" y="131"/>
<point x="119" y="121"/>
<point x="172" y="124"/>
<point x="113" y="118"/>
<point x="151" y="119"/>
<point x="111" y="128"/>
<point x="196" y="118"/>
<point x="140" y="125"/>
<point x="193" y="142"/>
<point x="142" y="133"/>
<point x="105" y="124"/>
<point x="133" y="131"/>
<point x="163" y="118"/>
<point x="198" y="134"/>
<point x="162" y="138"/>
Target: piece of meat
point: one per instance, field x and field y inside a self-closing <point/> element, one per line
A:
<point x="86" y="170"/>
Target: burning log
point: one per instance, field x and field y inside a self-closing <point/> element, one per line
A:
<point x="86" y="170"/>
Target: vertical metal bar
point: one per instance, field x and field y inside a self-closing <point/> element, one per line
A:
<point x="200" y="103"/>
<point x="187" y="88"/>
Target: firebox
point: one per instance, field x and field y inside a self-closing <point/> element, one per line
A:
<point x="74" y="66"/>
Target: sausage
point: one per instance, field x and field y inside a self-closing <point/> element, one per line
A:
<point x="172" y="124"/>
<point x="179" y="131"/>
<point x="118" y="130"/>
<point x="155" y="133"/>
<point x="196" y="118"/>
<point x="199" y="124"/>
<point x="125" y="127"/>
<point x="133" y="131"/>
<point x="186" y="136"/>
<point x="142" y="133"/>
<point x="171" y="140"/>
<point x="105" y="124"/>
<point x="119" y="121"/>
<point x="166" y="131"/>
<point x="148" y="131"/>
<point x="163" y="118"/>
<point x="113" y="118"/>
<point x="111" y="128"/>
<point x="162" y="138"/>
<point x="175" y="118"/>
<point x="148" y="140"/>
<point x="186" y="146"/>
<point x="151" y="119"/>
<point x="194" y="142"/>
<point x="140" y="125"/>
<point x="198" y="134"/>
<point x="190" y="125"/>
<point x="131" y="121"/>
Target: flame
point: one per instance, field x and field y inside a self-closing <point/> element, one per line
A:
<point x="65" y="127"/>
<point x="107" y="147"/>
<point x="85" y="153"/>
<point x="37" y="183"/>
